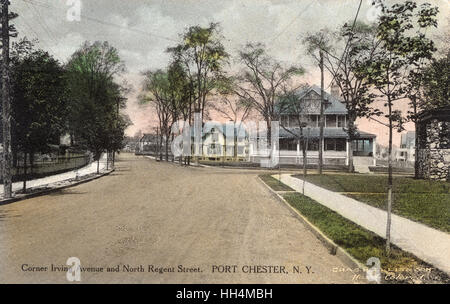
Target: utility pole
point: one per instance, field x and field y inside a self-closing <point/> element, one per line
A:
<point x="6" y="104"/>
<point x="321" y="122"/>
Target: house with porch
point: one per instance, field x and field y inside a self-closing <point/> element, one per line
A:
<point x="335" y="146"/>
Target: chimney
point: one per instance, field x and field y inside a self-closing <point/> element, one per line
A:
<point x="335" y="92"/>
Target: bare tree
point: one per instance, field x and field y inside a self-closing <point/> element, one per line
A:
<point x="262" y="81"/>
<point x="344" y="54"/>
<point x="157" y="92"/>
<point x="290" y="104"/>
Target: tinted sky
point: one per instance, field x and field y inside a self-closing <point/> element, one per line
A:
<point x="142" y="29"/>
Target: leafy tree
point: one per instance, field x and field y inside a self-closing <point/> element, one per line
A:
<point x="95" y="97"/>
<point x="436" y="83"/>
<point x="39" y="104"/>
<point x="203" y="55"/>
<point x="401" y="49"/>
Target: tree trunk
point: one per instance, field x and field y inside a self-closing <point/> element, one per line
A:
<point x="98" y="165"/>
<point x="350" y="139"/>
<point x="160" y="147"/>
<point x="167" y="147"/>
<point x="173" y="155"/>
<point x="24" y="187"/>
<point x="389" y="199"/>
<point x="321" y="114"/>
<point x="416" y="151"/>
<point x="305" y="164"/>
<point x="351" y="168"/>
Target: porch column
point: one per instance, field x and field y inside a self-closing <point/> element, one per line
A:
<point x="298" y="152"/>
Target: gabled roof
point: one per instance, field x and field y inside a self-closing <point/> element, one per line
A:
<point x="147" y="137"/>
<point x="221" y="127"/>
<point x="335" y="106"/>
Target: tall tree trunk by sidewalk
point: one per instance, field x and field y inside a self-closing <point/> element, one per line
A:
<point x="351" y="167"/>
<point x="389" y="199"/>
<point x="24" y="187"/>
<point x="350" y="139"/>
<point x="98" y="165"/>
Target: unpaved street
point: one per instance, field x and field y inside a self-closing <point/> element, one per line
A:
<point x="149" y="213"/>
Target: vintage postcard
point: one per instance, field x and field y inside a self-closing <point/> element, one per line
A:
<point x="225" y="142"/>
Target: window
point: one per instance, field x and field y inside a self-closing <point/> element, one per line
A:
<point x="341" y="121"/>
<point x="335" y="144"/>
<point x="313" y="144"/>
<point x="288" y="144"/>
<point x="330" y="144"/>
<point x="284" y="121"/>
<point x="341" y="144"/>
<point x="293" y="121"/>
<point x="312" y="120"/>
<point x="330" y="121"/>
<point x="215" y="137"/>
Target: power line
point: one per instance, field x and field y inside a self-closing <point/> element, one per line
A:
<point x="92" y="19"/>
<point x="37" y="37"/>
<point x="292" y="22"/>
<point x="43" y="24"/>
<point x="346" y="45"/>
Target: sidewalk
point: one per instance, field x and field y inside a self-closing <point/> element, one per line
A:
<point x="428" y="244"/>
<point x="59" y="178"/>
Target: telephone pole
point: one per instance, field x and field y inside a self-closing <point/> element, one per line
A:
<point x="321" y="118"/>
<point x="6" y="104"/>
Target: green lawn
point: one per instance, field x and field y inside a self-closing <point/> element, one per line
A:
<point x="360" y="242"/>
<point x="424" y="201"/>
<point x="274" y="183"/>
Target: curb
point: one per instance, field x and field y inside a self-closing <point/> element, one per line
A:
<point x="333" y="248"/>
<point x="47" y="191"/>
<point x="177" y="163"/>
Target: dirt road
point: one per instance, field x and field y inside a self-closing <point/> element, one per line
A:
<point x="148" y="218"/>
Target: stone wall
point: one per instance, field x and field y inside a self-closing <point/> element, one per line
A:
<point x="434" y="150"/>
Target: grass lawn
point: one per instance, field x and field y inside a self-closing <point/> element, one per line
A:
<point x="274" y="183"/>
<point x="423" y="201"/>
<point x="361" y="243"/>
